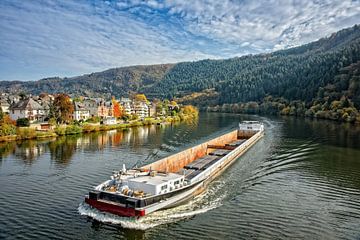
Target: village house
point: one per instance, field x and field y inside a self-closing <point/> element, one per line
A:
<point x="80" y="112"/>
<point x="4" y="105"/>
<point x="110" y="108"/>
<point x="92" y="106"/>
<point x="127" y="106"/>
<point x="141" y="109"/>
<point x="28" y="108"/>
<point x="45" y="100"/>
<point x="102" y="110"/>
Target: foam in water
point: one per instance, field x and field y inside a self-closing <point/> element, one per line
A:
<point x="209" y="200"/>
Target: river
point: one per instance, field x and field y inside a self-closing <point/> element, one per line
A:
<point x="302" y="180"/>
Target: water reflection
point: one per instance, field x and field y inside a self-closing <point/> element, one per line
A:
<point x="6" y="148"/>
<point x="62" y="149"/>
<point x="29" y="151"/>
<point x="325" y="132"/>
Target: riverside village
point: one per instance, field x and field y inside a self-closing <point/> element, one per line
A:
<point x="48" y="115"/>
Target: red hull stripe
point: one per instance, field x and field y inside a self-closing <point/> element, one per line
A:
<point x="114" y="209"/>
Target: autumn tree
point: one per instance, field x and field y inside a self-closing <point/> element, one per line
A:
<point x="118" y="110"/>
<point x="141" y="98"/>
<point x="190" y="110"/>
<point x="7" y="126"/>
<point x="63" y="108"/>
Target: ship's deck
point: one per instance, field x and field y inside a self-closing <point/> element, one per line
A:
<point x="194" y="168"/>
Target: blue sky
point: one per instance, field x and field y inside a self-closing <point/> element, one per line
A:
<point x="43" y="38"/>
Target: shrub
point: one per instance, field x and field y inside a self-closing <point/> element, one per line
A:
<point x="73" y="129"/>
<point x="52" y="121"/>
<point x="126" y="117"/>
<point x="134" y="117"/>
<point x="148" y="121"/>
<point x="22" y="122"/>
<point x="7" y="129"/>
<point x="45" y="134"/>
<point x="136" y="124"/>
<point x="93" y="120"/>
<point x="60" y="130"/>
<point x="7" y="120"/>
<point x="169" y="119"/>
<point x="26" y="133"/>
<point x="90" y="128"/>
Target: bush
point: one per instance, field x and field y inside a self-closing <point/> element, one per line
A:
<point x="60" y="130"/>
<point x="45" y="134"/>
<point x="22" y="122"/>
<point x="90" y="128"/>
<point x="148" y="121"/>
<point x="136" y="124"/>
<point x="94" y="120"/>
<point x="7" y="129"/>
<point x="134" y="117"/>
<point x="73" y="129"/>
<point x="126" y="117"/>
<point x="168" y="119"/>
<point x="26" y="133"/>
<point x="52" y="121"/>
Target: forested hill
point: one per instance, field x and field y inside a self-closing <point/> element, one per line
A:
<point x="325" y="68"/>
<point x="112" y="82"/>
<point x="294" y="74"/>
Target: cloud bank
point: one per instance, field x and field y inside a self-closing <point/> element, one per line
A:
<point x="66" y="38"/>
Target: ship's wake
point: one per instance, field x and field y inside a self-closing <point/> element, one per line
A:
<point x="210" y="199"/>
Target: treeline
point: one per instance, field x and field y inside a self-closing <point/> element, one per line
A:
<point x="336" y="101"/>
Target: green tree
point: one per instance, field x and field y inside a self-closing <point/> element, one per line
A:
<point x="22" y="122"/>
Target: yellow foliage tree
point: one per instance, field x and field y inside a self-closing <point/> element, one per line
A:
<point x="141" y="98"/>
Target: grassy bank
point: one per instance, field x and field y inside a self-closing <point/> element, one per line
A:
<point x="24" y="133"/>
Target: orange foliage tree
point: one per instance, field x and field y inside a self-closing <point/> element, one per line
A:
<point x="63" y="108"/>
<point x="118" y="110"/>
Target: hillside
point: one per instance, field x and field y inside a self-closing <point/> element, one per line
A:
<point x="115" y="81"/>
<point x="300" y="73"/>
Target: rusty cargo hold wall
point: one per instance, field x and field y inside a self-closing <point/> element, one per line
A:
<point x="177" y="161"/>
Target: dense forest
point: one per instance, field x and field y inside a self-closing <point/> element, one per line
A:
<point x="319" y="79"/>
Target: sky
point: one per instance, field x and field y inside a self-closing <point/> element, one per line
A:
<point x="45" y="38"/>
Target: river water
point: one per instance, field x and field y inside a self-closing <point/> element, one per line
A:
<point x="302" y="180"/>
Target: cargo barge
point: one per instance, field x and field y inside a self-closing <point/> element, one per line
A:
<point x="173" y="180"/>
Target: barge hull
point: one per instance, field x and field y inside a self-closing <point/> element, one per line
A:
<point x="114" y="209"/>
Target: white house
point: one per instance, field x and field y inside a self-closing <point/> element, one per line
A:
<point x="141" y="109"/>
<point x="80" y="112"/>
<point x="28" y="108"/>
<point x="127" y="105"/>
<point x="4" y="105"/>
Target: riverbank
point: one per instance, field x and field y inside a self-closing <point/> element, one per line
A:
<point x="26" y="133"/>
<point x="339" y="111"/>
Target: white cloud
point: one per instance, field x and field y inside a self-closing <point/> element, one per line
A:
<point x="266" y="24"/>
<point x="78" y="38"/>
<point x="45" y="38"/>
